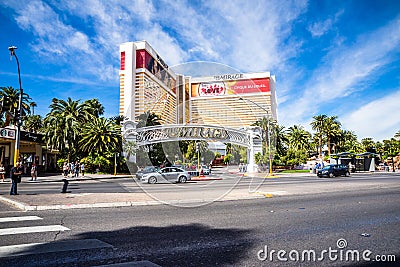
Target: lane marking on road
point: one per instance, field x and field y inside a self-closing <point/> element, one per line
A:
<point x="67" y="245"/>
<point x="20" y="219"/>
<point x="32" y="229"/>
<point x="271" y="194"/>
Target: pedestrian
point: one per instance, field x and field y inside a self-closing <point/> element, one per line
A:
<point x="16" y="172"/>
<point x="65" y="169"/>
<point x="24" y="167"/>
<point x="71" y="168"/>
<point x="76" y="170"/>
<point x="2" y="172"/>
<point x="83" y="169"/>
<point x="315" y="168"/>
<point x="33" y="172"/>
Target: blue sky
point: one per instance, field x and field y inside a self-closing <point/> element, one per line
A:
<point x="337" y="58"/>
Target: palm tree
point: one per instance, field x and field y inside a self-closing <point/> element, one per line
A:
<point x="148" y="119"/>
<point x="100" y="135"/>
<point x="281" y="140"/>
<point x="331" y="129"/>
<point x="267" y="125"/>
<point x="10" y="99"/>
<point x="368" y="144"/>
<point x="73" y="109"/>
<point x="318" y="125"/>
<point x="94" y="107"/>
<point x="62" y="124"/>
<point x="33" y="123"/>
<point x="33" y="105"/>
<point x="298" y="138"/>
<point x="130" y="148"/>
<point x="348" y="142"/>
<point x="118" y="119"/>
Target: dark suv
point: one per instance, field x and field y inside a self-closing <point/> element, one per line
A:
<point x="334" y="170"/>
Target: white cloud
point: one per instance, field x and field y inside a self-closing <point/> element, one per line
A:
<point x="320" y="28"/>
<point x="378" y="119"/>
<point x="170" y="50"/>
<point x="347" y="69"/>
<point x="86" y="40"/>
<point x="254" y="35"/>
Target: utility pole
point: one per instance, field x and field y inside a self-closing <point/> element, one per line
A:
<point x="17" y="114"/>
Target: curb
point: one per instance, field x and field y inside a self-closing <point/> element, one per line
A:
<point x="17" y="204"/>
<point x="24" y="207"/>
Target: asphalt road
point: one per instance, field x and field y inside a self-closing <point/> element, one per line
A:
<point x="227" y="182"/>
<point x="231" y="233"/>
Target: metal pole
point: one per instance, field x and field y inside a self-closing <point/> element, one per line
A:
<point x="198" y="159"/>
<point x="18" y="115"/>
<point x="268" y="133"/>
<point x="269" y="147"/>
<point x="115" y="164"/>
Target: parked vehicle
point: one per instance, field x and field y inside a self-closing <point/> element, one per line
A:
<point x="171" y="174"/>
<point x="145" y="170"/>
<point x="206" y="170"/>
<point x="334" y="170"/>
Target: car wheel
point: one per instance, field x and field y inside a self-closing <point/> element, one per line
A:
<point x="182" y="179"/>
<point x="152" y="180"/>
<point x="331" y="175"/>
<point x="347" y="174"/>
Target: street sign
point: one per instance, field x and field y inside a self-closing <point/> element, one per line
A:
<point x="7" y="133"/>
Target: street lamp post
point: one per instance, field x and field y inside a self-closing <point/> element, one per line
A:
<point x="268" y="133"/>
<point x="18" y="113"/>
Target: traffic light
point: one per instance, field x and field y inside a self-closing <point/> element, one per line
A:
<point x="5" y="104"/>
<point x="197" y="147"/>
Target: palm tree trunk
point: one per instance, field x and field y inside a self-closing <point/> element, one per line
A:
<point x="320" y="147"/>
<point x="329" y="145"/>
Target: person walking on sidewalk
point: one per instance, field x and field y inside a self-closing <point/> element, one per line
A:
<point x="16" y="172"/>
<point x="71" y="168"/>
<point x="65" y="169"/>
<point x="33" y="172"/>
<point x="2" y="172"/>
<point x="76" y="169"/>
<point x="83" y="169"/>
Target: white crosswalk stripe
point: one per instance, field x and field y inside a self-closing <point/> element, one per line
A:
<point x="19" y="219"/>
<point x="47" y="247"/>
<point x="67" y="245"/>
<point x="33" y="229"/>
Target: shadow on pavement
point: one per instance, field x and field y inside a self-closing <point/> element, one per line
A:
<point x="177" y="245"/>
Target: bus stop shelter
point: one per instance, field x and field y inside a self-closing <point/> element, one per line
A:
<point x="361" y="162"/>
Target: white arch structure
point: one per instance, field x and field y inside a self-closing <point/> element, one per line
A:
<point x="249" y="137"/>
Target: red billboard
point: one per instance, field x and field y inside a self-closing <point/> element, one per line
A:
<point x="237" y="87"/>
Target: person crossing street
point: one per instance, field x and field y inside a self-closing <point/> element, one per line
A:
<point x="16" y="172"/>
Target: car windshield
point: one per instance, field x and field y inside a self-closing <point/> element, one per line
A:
<point x="327" y="167"/>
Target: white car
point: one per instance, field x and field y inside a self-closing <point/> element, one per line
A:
<point x="172" y="174"/>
